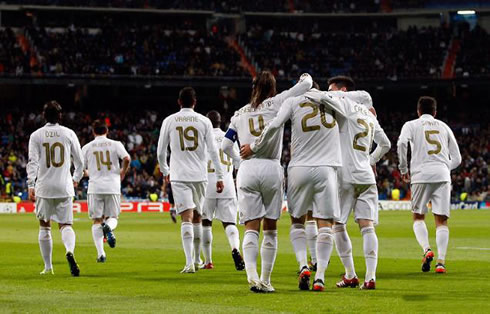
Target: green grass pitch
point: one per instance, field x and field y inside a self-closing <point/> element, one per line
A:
<point x="142" y="273"/>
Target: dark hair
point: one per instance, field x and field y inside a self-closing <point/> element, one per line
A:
<point x="52" y="111"/>
<point x="427" y="105"/>
<point x="99" y="127"/>
<point x="263" y="87"/>
<point x="187" y="97"/>
<point x="315" y="85"/>
<point x="215" y="118"/>
<point x="342" y="81"/>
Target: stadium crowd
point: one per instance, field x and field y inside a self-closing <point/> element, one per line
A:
<point x="139" y="132"/>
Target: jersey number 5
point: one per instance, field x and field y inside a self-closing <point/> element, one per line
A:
<point x="435" y="142"/>
<point x="189" y="134"/>
<point x="323" y="118"/>
<point x="51" y="154"/>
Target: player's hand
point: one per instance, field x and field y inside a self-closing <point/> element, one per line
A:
<point x="246" y="151"/>
<point x="406" y="177"/>
<point x="85" y="173"/>
<point x="220" y="186"/>
<point x="32" y="194"/>
<point x="167" y="179"/>
<point x="75" y="184"/>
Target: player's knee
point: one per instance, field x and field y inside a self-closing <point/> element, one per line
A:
<point x="418" y="216"/>
<point x="297" y="226"/>
<point x="270" y="224"/>
<point x="363" y="223"/>
<point x="62" y="227"/>
<point x="207" y="223"/>
<point x="339" y="228"/>
<point x="325" y="235"/>
<point x="300" y="220"/>
<point x="43" y="223"/>
<point x="367" y="230"/>
<point x="98" y="220"/>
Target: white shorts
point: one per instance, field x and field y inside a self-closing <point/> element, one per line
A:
<point x="438" y="194"/>
<point x="189" y="195"/>
<point x="59" y="210"/>
<point x="104" y="205"/>
<point x="260" y="189"/>
<point x="223" y="209"/>
<point x="313" y="188"/>
<point x="360" y="198"/>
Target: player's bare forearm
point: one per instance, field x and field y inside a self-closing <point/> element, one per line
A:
<point x="245" y="151"/>
<point x="32" y="194"/>
<point x="125" y="167"/>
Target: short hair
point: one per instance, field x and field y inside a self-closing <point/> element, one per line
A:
<point x="99" y="127"/>
<point x="342" y="81"/>
<point x="427" y="105"/>
<point x="315" y="85"/>
<point x="187" y="97"/>
<point x="52" y="111"/>
<point x="215" y="118"/>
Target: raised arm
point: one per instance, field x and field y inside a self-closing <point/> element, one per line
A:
<point x="304" y="84"/>
<point x="333" y="100"/>
<point x="402" y="147"/>
<point x="77" y="157"/>
<point x="382" y="142"/>
<point x="283" y="115"/>
<point x="454" y="152"/>
<point x="163" y="142"/>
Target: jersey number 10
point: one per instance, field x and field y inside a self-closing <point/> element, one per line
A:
<point x="51" y="154"/>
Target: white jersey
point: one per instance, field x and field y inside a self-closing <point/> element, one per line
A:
<point x="189" y="135"/>
<point x="435" y="151"/>
<point x="227" y="165"/>
<point x="51" y="149"/>
<point x="358" y="128"/>
<point x="248" y="123"/>
<point x="314" y="133"/>
<point x="101" y="158"/>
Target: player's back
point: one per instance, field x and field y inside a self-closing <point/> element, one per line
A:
<point x="102" y="157"/>
<point x="249" y="123"/>
<point x="226" y="164"/>
<point x="429" y="142"/>
<point x="187" y="131"/>
<point x="52" y="145"/>
<point x="315" y="137"/>
<point x="357" y="131"/>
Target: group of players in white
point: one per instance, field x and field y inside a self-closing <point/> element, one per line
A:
<point x="331" y="174"/>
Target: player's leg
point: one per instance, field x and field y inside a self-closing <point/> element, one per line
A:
<point x="420" y="197"/>
<point x="207" y="243"/>
<point x="207" y="231"/>
<point x="311" y="230"/>
<point x="43" y="213"/>
<point x="197" y="226"/>
<point x="95" y="212"/>
<point x="268" y="253"/>
<point x="226" y="212"/>
<point x="173" y="211"/>
<point x="64" y="218"/>
<point x="326" y="209"/>
<point x="251" y="252"/>
<point x="440" y="209"/>
<point x="46" y="246"/>
<point x="111" y="210"/>
<point x="185" y="208"/>
<point x="343" y="243"/>
<point x="366" y="215"/>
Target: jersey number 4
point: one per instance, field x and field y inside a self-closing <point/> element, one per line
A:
<point x="51" y="159"/>
<point x="224" y="160"/>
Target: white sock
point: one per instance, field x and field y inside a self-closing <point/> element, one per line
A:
<point x="311" y="235"/>
<point x="46" y="246"/>
<point x="297" y="235"/>
<point x="250" y="252"/>
<point x="207" y="244"/>
<point x="344" y="250"/>
<point x="111" y="222"/>
<point x="442" y="239"/>
<point x="233" y="237"/>
<point x="98" y="236"/>
<point x="187" y="234"/>
<point x="324" y="246"/>
<point x="197" y="242"/>
<point x="421" y="233"/>
<point x="68" y="238"/>
<point x="268" y="252"/>
<point x="370" y="245"/>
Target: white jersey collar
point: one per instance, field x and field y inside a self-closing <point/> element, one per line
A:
<point x="186" y="109"/>
<point x="426" y="116"/>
